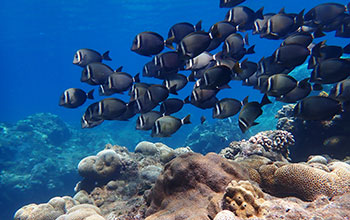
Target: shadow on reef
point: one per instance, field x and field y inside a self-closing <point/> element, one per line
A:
<point x="316" y="137"/>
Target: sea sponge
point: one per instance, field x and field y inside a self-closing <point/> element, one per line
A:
<point x="244" y="199"/>
<point x="308" y="182"/>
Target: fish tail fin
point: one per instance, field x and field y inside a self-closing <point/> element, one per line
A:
<point x="136" y="78"/>
<point x="236" y="68"/>
<point x="191" y="78"/>
<point x="169" y="42"/>
<point x="215" y="32"/>
<point x="172" y="90"/>
<point x="187" y="100"/>
<point x="316" y="49"/>
<point x="265" y="100"/>
<point x="346" y="49"/>
<point x="90" y="95"/>
<point x="251" y="50"/>
<point x="105" y="56"/>
<point x="299" y="19"/>
<point x="198" y="26"/>
<point x="303" y="83"/>
<point x="245" y="100"/>
<point x="119" y="69"/>
<point x="259" y="13"/>
<point x="318" y="33"/>
<point x="186" y="120"/>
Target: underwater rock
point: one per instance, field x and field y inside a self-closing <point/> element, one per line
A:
<point x="317" y="159"/>
<point x="316" y="137"/>
<point x="146" y="148"/>
<point x="83" y="211"/>
<point x="270" y="144"/>
<point x="225" y="215"/>
<point x="187" y="184"/>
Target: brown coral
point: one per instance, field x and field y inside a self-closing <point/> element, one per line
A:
<point x="244" y="199"/>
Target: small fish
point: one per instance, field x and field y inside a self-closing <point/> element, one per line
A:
<point x="178" y="81"/>
<point x="180" y="30"/>
<point x="199" y="62"/>
<point x="138" y="90"/>
<point x="84" y="57"/>
<point x="331" y="71"/>
<point x="300" y="38"/>
<point x="201" y="95"/>
<point x="110" y="108"/>
<point x="247" y="68"/>
<point x="73" y="97"/>
<point x="196" y="43"/>
<point x="96" y="73"/>
<point x="146" y="120"/>
<point x="215" y="77"/>
<point x="121" y="81"/>
<point x="268" y="66"/>
<point x="280" y="84"/>
<point x="203" y="119"/>
<point x="165" y="126"/>
<point x="291" y="55"/>
<point x="168" y="61"/>
<point x="90" y="118"/>
<point x="224" y="29"/>
<point x="150" y="43"/>
<point x="243" y="17"/>
<point x="206" y="104"/>
<point x="158" y="93"/>
<point x="170" y="106"/>
<point x="250" y="112"/>
<point x="301" y="91"/>
<point x="281" y="24"/>
<point x="260" y="24"/>
<point x="324" y="14"/>
<point x="343" y="29"/>
<point x="341" y="91"/>
<point x="143" y="104"/>
<point x="226" y="107"/>
<point x="230" y="3"/>
<point x="317" y="108"/>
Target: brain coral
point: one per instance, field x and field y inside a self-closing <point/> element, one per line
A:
<point x="38" y="212"/>
<point x="308" y="182"/>
<point x="244" y="199"/>
<point x="82" y="212"/>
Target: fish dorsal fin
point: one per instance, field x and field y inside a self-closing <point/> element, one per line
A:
<point x="265" y="100"/>
<point x="105" y="56"/>
<point x="119" y="69"/>
<point x="186" y="120"/>
<point x="198" y="26"/>
<point x="245" y="100"/>
<point x="282" y="11"/>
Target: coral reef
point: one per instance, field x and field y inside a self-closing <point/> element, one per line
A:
<point x="271" y="144"/>
<point x="243" y="199"/>
<point x="316" y="137"/>
<point x="187" y="184"/>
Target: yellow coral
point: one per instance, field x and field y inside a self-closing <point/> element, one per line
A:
<point x="244" y="199"/>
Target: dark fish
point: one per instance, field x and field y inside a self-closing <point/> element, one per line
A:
<point x="121" y="81"/>
<point x="317" y="108"/>
<point x="230" y="3"/>
<point x="343" y="29"/>
<point x="171" y="106"/>
<point x="262" y="83"/>
<point x="143" y="104"/>
<point x="199" y="62"/>
<point x="323" y="52"/>
<point x="96" y="73"/>
<point x="234" y="44"/>
<point x="301" y="91"/>
<point x="196" y="43"/>
<point x="300" y="38"/>
<point x="165" y="126"/>
<point x="341" y="91"/>
<point x="201" y="95"/>
<point x="90" y="118"/>
<point x="291" y="55"/>
<point x="151" y="70"/>
<point x="206" y="104"/>
<point x="146" y="121"/>
<point x="251" y="81"/>
<point x="158" y="93"/>
<point x="247" y="68"/>
<point x="280" y="84"/>
<point x="110" y="108"/>
<point x="268" y="66"/>
<point x="150" y="43"/>
<point x="250" y="112"/>
<point x="138" y="90"/>
<point x="324" y="14"/>
<point x="129" y="113"/>
<point x="243" y="17"/>
<point x="260" y="24"/>
<point x="331" y="71"/>
<point x="224" y="29"/>
<point x="226" y="107"/>
<point x="168" y="61"/>
<point x="180" y="30"/>
<point x="203" y="119"/>
<point x="215" y="77"/>
<point x="103" y="90"/>
<point x="178" y="81"/>
<point x="281" y="24"/>
<point x="73" y="97"/>
<point x="84" y="57"/>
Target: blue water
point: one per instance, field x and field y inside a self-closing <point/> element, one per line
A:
<point x="39" y="38"/>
